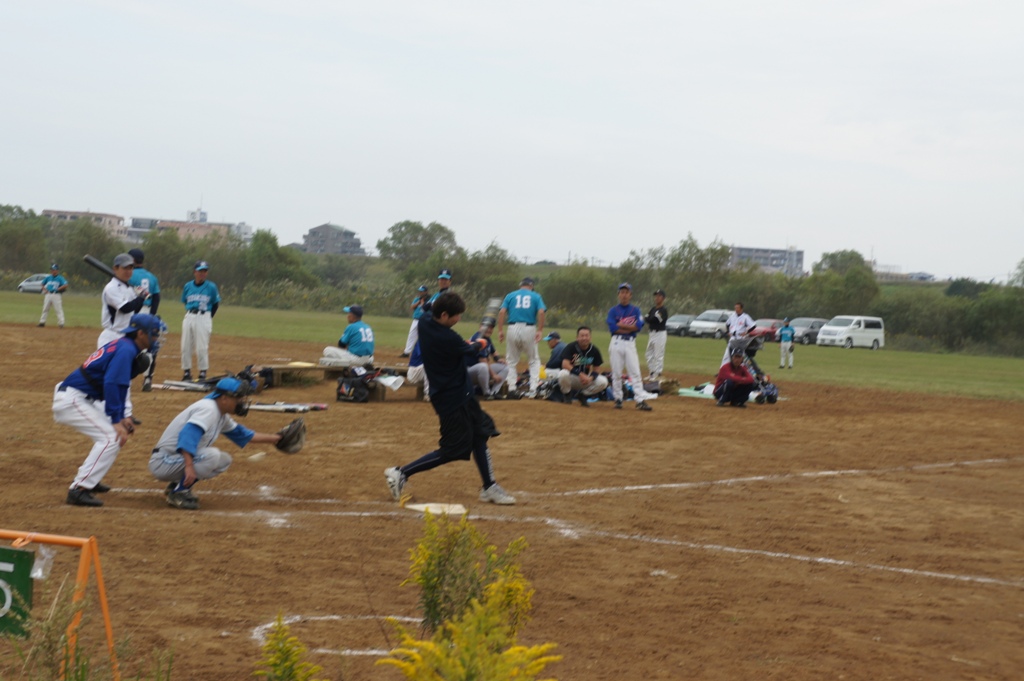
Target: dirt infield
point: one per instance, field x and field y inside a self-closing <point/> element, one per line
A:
<point x="839" y="534"/>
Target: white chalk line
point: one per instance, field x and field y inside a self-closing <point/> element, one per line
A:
<point x="259" y="634"/>
<point x="775" y="477"/>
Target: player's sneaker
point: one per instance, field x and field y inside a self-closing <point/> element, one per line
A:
<point x="618" y="404"/>
<point x="147" y="385"/>
<point x="643" y="406"/>
<point x="79" y="496"/>
<point x="183" y="500"/>
<point x="202" y="375"/>
<point x="187" y="376"/>
<point x="584" y="400"/>
<point x="396" y="480"/>
<point x="170" y="488"/>
<point x="496" y="495"/>
<point x="100" y="488"/>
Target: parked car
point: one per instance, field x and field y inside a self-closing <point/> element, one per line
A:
<point x="33" y="284"/>
<point x="679" y="324"/>
<point x="851" y="331"/>
<point x="710" y="323"/>
<point x="765" y="329"/>
<point x="805" y="330"/>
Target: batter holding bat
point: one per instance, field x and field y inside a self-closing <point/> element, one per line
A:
<point x="465" y="427"/>
<point x="120" y="300"/>
<point x="624" y="321"/>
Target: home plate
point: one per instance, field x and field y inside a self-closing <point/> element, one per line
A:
<point x="438" y="509"/>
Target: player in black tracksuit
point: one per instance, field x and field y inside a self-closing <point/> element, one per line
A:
<point x="465" y="427"/>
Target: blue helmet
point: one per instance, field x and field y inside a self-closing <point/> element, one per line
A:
<point x="232" y="387"/>
<point x="151" y="325"/>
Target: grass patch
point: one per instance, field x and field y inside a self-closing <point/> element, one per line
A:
<point x="948" y="374"/>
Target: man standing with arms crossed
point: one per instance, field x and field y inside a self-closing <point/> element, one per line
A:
<point x="524" y="311"/>
<point x="786" y="335"/>
<point x="658" y="337"/>
<point x="624" y="321"/>
<point x="201" y="299"/>
<point x="54" y="286"/>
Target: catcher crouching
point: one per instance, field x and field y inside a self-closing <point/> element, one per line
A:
<point x="185" y="453"/>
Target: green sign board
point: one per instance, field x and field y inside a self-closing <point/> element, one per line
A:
<point x="15" y="581"/>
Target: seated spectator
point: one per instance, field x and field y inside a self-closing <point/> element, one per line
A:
<point x="554" y="366"/>
<point x="734" y="382"/>
<point x="488" y="372"/>
<point x="581" y="369"/>
<point x="355" y="347"/>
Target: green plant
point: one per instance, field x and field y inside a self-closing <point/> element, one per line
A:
<point x="282" y="656"/>
<point x="480" y="644"/>
<point x="453" y="564"/>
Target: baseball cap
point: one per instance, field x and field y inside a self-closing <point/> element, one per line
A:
<point x="659" y="292"/>
<point x="444" y="274"/>
<point x="736" y="352"/>
<point x="232" y="387"/>
<point x="202" y="265"/>
<point x="54" y="266"/>
<point x="625" y="285"/>
<point x="124" y="260"/>
<point x="786" y="319"/>
<point x="357" y="310"/>
<point x="151" y="324"/>
<point x="422" y="289"/>
<point x="554" y="335"/>
<point x="138" y="255"/>
<point x="527" y="281"/>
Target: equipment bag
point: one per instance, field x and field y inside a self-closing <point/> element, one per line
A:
<point x="353" y="390"/>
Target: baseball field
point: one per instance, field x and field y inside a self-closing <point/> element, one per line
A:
<point x="867" y="527"/>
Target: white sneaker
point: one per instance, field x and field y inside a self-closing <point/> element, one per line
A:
<point x="496" y="495"/>
<point x="396" y="482"/>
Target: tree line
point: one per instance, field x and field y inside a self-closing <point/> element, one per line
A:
<point x="963" y="315"/>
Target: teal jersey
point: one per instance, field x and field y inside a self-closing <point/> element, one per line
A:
<point x="358" y="339"/>
<point x="522" y="306"/>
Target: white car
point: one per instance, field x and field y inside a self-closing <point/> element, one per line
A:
<point x="33" y="284"/>
<point x="710" y="323"/>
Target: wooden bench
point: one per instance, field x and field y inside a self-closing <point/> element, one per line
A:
<point x="281" y="373"/>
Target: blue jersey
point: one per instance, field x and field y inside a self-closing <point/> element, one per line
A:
<point x="418" y="310"/>
<point x="787" y="334"/>
<point x="140" y="275"/>
<point x="200" y="297"/>
<point x="522" y="306"/>
<point x="358" y="339"/>
<point x="52" y="283"/>
<point x="106" y="375"/>
<point x="627" y="315"/>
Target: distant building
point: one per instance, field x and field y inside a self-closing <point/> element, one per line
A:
<point x="194" y="230"/>
<point x="195" y="227"/>
<point x="921" y="276"/>
<point x="789" y="261"/>
<point x="114" y="224"/>
<point x="328" y="238"/>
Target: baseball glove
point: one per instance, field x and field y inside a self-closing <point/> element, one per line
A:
<point x="293" y="437"/>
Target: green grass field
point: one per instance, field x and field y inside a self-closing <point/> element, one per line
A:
<point x="952" y="374"/>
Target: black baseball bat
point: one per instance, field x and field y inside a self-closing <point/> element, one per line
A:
<point x="98" y="264"/>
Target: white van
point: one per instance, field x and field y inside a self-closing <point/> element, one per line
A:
<point x="710" y="323"/>
<point x="853" y="331"/>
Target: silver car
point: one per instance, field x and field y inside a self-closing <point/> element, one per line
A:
<point x="805" y="330"/>
<point x="33" y="284"/>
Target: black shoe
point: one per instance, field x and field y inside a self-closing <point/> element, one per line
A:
<point x="721" y="403"/>
<point x="136" y="421"/>
<point x="100" y="488"/>
<point x="79" y="496"/>
<point x="584" y="400"/>
<point x="404" y="354"/>
<point x="187" y="376"/>
<point x="202" y="375"/>
<point x="741" y="405"/>
<point x="147" y="385"/>
<point x="40" y="324"/>
<point x="618" y="404"/>
<point x="643" y="406"/>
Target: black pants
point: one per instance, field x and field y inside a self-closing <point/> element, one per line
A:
<point x="464" y="435"/>
<point x="732" y="392"/>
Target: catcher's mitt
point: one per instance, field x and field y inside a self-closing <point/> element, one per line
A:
<point x="293" y="437"/>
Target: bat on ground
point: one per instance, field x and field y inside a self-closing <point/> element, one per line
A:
<point x="188" y="385"/>
<point x="179" y="388"/>
<point x="290" y="407"/>
<point x="98" y="264"/>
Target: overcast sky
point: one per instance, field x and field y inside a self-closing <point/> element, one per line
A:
<point x="555" y="128"/>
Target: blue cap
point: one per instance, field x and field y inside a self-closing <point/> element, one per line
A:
<point x="625" y="285"/>
<point x="232" y="387"/>
<point x="357" y="310"/>
<point x="554" y="335"/>
<point x="202" y="265"/>
<point x="445" y="274"/>
<point x="422" y="289"/>
<point x="54" y="266"/>
<point x="151" y="324"/>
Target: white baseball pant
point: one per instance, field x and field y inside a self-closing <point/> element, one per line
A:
<point x="196" y="330"/>
<point x="568" y="381"/>
<point x="414" y="335"/>
<point x="623" y="355"/>
<point x="785" y="351"/>
<point x="73" y="408"/>
<point x="54" y="300"/>
<point x="656" y="352"/>
<point x="522" y="340"/>
<point x="340" y="357"/>
<point x="169" y="465"/>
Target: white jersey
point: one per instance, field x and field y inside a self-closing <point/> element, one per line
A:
<point x="204" y="414"/>
<point x="739" y="324"/>
<point x="115" y="294"/>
